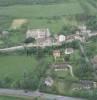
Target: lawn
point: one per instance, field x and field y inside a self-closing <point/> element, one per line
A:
<point x="16" y="66"/>
<point x="9" y="98"/>
<point x="63" y="73"/>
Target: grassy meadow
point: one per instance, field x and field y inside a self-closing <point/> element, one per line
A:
<point x="10" y="98"/>
<point x="15" y="66"/>
<point x="53" y="16"/>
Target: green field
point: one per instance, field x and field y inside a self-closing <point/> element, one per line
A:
<point x="43" y="15"/>
<point x="52" y="16"/>
<point x="42" y="10"/>
<point x="15" y="66"/>
<point x="9" y="98"/>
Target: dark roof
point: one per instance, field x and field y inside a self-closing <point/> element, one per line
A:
<point x="86" y="82"/>
<point x="60" y="65"/>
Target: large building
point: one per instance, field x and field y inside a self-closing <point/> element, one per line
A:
<point x="38" y="33"/>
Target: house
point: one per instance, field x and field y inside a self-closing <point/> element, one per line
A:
<point x="61" y="38"/>
<point x="56" y="54"/>
<point x="60" y="66"/>
<point x="87" y="84"/>
<point x="49" y="81"/>
<point x="92" y="34"/>
<point x="77" y="33"/>
<point x="79" y="37"/>
<point x="45" y="41"/>
<point x="70" y="38"/>
<point x="82" y="28"/>
<point x="74" y="37"/>
<point x="38" y="33"/>
<point x="69" y="51"/>
<point x="84" y="31"/>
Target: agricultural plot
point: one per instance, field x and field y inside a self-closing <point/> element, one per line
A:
<point x="50" y="16"/>
<point x="17" y="23"/>
<point x="42" y="10"/>
<point x="88" y="7"/>
<point x="15" y="66"/>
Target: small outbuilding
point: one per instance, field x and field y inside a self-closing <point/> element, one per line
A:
<point x="69" y="51"/>
<point x="61" y="38"/>
<point x="49" y="81"/>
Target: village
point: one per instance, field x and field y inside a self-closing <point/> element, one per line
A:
<point x="65" y="59"/>
<point x="48" y="49"/>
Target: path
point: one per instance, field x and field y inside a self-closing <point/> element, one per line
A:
<point x="71" y="70"/>
<point x="22" y="47"/>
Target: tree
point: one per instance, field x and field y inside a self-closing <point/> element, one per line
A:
<point x="29" y="40"/>
<point x="92" y="23"/>
<point x="68" y="29"/>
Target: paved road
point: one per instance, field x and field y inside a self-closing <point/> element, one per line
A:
<point x="21" y="93"/>
<point x="22" y="47"/>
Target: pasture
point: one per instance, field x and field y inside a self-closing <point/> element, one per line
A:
<point x="51" y="16"/>
<point x="15" y="66"/>
<point x="41" y="16"/>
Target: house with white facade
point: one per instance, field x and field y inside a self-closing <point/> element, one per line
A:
<point x="38" y="33"/>
<point x="61" y="38"/>
<point x="69" y="51"/>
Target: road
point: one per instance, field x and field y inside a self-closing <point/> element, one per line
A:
<point x="22" y="47"/>
<point x="29" y="94"/>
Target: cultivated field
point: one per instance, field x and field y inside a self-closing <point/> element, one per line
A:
<point x="15" y="66"/>
<point x="17" y="23"/>
<point x="51" y="16"/>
